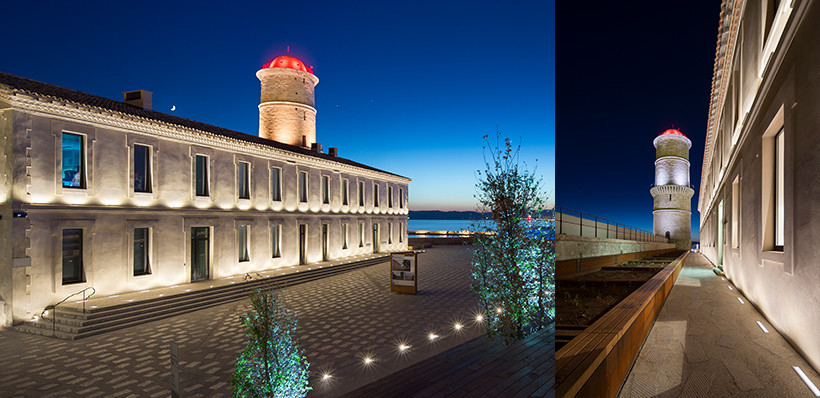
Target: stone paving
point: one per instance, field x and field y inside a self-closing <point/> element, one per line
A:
<point x="706" y="343"/>
<point x="341" y="319"/>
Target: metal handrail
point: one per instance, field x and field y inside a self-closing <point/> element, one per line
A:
<point x="622" y="231"/>
<point x="44" y="313"/>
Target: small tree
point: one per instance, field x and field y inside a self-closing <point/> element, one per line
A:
<point x="272" y="364"/>
<point x="513" y="266"/>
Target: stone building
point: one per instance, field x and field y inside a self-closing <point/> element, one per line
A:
<point x="114" y="195"/>
<point x="760" y="187"/>
<point x="672" y="193"/>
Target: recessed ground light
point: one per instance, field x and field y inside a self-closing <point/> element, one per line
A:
<point x="730" y="288"/>
<point x="741" y="301"/>
<point x="806" y="380"/>
<point x="762" y="327"/>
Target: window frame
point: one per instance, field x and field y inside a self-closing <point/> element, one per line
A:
<point x="276" y="240"/>
<point x="246" y="181"/>
<point x="149" y="169"/>
<point x="344" y="235"/>
<point x="147" y="251"/>
<point x="82" y="164"/>
<point x="246" y="228"/>
<point x="276" y="186"/>
<point x="206" y="177"/>
<point x="389" y="196"/>
<point x="375" y="194"/>
<point x="345" y="192"/>
<point x="325" y="189"/>
<point x="361" y="193"/>
<point x="302" y="184"/>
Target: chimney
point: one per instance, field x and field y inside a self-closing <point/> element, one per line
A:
<point x="316" y="147"/>
<point x="140" y="98"/>
<point x="333" y="151"/>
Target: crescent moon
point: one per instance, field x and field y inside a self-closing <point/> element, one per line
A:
<point x="173" y="108"/>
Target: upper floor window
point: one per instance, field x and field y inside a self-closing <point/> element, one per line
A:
<point x="345" y="183"/>
<point x="361" y="193"/>
<point x="401" y="198"/>
<point x="201" y="180"/>
<point x="142" y="168"/>
<point x="276" y="183"/>
<point x="325" y="189"/>
<point x="73" y="161"/>
<point x="375" y="194"/>
<point x="303" y="189"/>
<point x="243" y="180"/>
<point x="390" y="197"/>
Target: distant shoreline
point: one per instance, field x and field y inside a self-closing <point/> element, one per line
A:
<point x="452" y="215"/>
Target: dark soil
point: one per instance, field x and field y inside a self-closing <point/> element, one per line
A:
<point x="583" y="299"/>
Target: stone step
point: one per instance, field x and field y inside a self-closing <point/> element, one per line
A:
<point x="71" y="323"/>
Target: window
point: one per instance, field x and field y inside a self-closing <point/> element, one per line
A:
<point x="375" y="195"/>
<point x="389" y="232"/>
<point x="779" y="176"/>
<point x="142" y="168"/>
<point x="361" y="234"/>
<point x="243" y="180"/>
<point x="242" y="242"/>
<point x="345" y="184"/>
<point x="344" y="236"/>
<point x="141" y="246"/>
<point x="325" y="189"/>
<point x="401" y="198"/>
<point x="401" y="231"/>
<point x="303" y="193"/>
<point x="390" y="197"/>
<point x="361" y="193"/>
<point x="276" y="184"/>
<point x="72" y="256"/>
<point x="276" y="240"/>
<point x="769" y="13"/>
<point x="736" y="213"/>
<point x="73" y="161"/>
<point x="201" y="180"/>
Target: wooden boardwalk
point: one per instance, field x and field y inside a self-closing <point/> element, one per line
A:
<point x="482" y="367"/>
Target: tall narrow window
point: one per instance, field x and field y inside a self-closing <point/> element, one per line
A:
<point x="375" y="195"/>
<point x="361" y="234"/>
<point x="201" y="180"/>
<point x="72" y="256"/>
<point x="401" y="198"/>
<point x="736" y="213"/>
<point x="141" y="245"/>
<point x="242" y="242"/>
<point x="142" y="168"/>
<point x="243" y="180"/>
<point x="401" y="231"/>
<point x="303" y="193"/>
<point x="390" y="197"/>
<point x="276" y="184"/>
<point x="361" y="193"/>
<point x="325" y="189"/>
<point x="345" y="183"/>
<point x="344" y="236"/>
<point x="389" y="233"/>
<point x="73" y="161"/>
<point x="779" y="193"/>
<point x="276" y="240"/>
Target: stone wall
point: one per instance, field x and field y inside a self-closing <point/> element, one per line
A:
<point x="573" y="247"/>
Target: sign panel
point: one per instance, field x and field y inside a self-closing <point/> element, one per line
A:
<point x="403" y="272"/>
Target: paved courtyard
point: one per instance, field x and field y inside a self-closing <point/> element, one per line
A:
<point x="342" y="319"/>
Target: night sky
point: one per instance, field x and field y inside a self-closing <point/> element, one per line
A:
<point x="627" y="71"/>
<point x="407" y="87"/>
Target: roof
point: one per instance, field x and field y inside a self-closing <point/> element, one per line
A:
<point x="44" y="89"/>
<point x="286" y="61"/>
<point x="672" y="131"/>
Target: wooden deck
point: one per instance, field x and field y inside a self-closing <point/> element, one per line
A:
<point x="482" y="367"/>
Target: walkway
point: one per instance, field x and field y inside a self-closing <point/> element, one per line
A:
<point x="342" y="319"/>
<point x="707" y="343"/>
<point x="482" y="367"/>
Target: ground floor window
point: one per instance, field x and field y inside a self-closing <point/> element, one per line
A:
<point x="242" y="243"/>
<point x="344" y="236"/>
<point x="276" y="238"/>
<point x="361" y="234"/>
<point x="390" y="233"/>
<point x="401" y="231"/>
<point x="72" y="256"/>
<point x="141" y="244"/>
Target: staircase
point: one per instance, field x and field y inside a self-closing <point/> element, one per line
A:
<point x="69" y="322"/>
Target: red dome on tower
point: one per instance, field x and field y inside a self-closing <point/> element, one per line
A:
<point x="671" y="131"/>
<point x="286" y="61"/>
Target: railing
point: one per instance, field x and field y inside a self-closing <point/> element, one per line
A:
<point x="53" y="307"/>
<point x="576" y="223"/>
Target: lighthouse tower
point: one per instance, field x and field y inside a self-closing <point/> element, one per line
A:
<point x="287" y="110"/>
<point x="671" y="192"/>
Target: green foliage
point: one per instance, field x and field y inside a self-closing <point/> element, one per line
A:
<point x="514" y="261"/>
<point x="272" y="364"/>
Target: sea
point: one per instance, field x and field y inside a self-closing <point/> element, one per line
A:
<point x="438" y="225"/>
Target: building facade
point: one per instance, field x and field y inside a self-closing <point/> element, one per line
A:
<point x="671" y="192"/>
<point x="760" y="185"/>
<point x="113" y="195"/>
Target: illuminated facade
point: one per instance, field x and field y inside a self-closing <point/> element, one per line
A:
<point x="96" y="192"/>
<point x="672" y="193"/>
<point x="760" y="187"/>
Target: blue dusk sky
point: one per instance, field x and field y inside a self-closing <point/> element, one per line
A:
<point x="627" y="71"/>
<point x="407" y="87"/>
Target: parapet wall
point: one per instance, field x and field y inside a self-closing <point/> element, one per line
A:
<point x="576" y="255"/>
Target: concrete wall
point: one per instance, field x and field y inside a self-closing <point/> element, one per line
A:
<point x="6" y="246"/>
<point x="572" y="247"/>
<point x="783" y="284"/>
